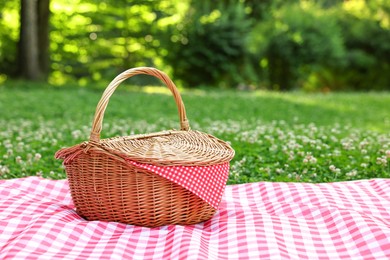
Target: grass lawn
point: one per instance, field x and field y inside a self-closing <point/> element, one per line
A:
<point x="276" y="136"/>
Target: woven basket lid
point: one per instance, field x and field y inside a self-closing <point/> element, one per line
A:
<point x="177" y="147"/>
<point x="190" y="148"/>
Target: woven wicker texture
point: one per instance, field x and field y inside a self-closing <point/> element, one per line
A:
<point x="104" y="186"/>
<point x="190" y="148"/>
<point x="115" y="191"/>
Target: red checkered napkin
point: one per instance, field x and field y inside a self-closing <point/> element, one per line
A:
<point x="207" y="182"/>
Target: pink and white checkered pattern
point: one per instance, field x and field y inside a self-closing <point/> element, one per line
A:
<point x="207" y="182"/>
<point x="346" y="220"/>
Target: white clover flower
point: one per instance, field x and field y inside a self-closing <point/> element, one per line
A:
<point x="278" y="170"/>
<point x="37" y="156"/>
<point x="76" y="134"/>
<point x="347" y="145"/>
<point x="305" y="140"/>
<point x="364" y="165"/>
<point x="363" y="144"/>
<point x="381" y="161"/>
<point x="310" y="159"/>
<point x="363" y="151"/>
<point x="20" y="147"/>
<point x="334" y="169"/>
<point x="387" y="153"/>
<point x="352" y="173"/>
<point x="18" y="159"/>
<point x="291" y="156"/>
<point x="273" y="148"/>
<point x="334" y="139"/>
<point x="4" y="169"/>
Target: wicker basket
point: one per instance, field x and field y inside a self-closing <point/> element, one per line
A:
<point x="147" y="180"/>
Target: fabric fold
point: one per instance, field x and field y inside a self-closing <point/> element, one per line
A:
<point x="206" y="182"/>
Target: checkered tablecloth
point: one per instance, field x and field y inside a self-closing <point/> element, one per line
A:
<point x="346" y="220"/>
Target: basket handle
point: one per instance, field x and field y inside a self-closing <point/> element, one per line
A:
<point x="102" y="105"/>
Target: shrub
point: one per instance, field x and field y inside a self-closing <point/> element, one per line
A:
<point x="209" y="48"/>
<point x="366" y="30"/>
<point x="295" y="41"/>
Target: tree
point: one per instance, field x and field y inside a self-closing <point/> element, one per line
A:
<point x="34" y="40"/>
<point x="43" y="36"/>
<point x="8" y="36"/>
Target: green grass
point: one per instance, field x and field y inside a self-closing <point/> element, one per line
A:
<point x="276" y="136"/>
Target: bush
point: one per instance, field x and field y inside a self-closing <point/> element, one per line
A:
<point x="367" y="38"/>
<point x="294" y="42"/>
<point x="210" y="47"/>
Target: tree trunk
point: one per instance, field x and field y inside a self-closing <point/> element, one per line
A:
<point x="126" y="34"/>
<point x="28" y="42"/>
<point x="43" y="36"/>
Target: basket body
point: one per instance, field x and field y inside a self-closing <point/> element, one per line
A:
<point x="104" y="188"/>
<point x="163" y="178"/>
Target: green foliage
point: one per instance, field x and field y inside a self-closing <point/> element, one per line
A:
<point x="88" y="45"/>
<point x="283" y="136"/>
<point x="210" y="47"/>
<point x="344" y="46"/>
<point x="272" y="44"/>
<point x="366" y="30"/>
<point x="8" y="36"/>
<point x="292" y="44"/>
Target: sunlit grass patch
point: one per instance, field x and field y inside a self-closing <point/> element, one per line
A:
<point x="277" y="136"/>
<point x="310" y="153"/>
